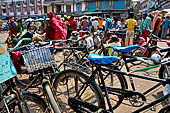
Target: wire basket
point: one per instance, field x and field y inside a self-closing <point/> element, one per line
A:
<point x="38" y="59"/>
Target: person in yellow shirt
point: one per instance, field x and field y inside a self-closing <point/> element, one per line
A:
<point x="100" y="23"/>
<point x="130" y="24"/>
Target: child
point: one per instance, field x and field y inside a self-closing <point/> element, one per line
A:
<point x="112" y="42"/>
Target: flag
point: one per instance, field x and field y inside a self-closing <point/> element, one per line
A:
<point x="7" y="11"/>
<point x="35" y="7"/>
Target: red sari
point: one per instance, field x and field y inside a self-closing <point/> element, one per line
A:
<point x="54" y="30"/>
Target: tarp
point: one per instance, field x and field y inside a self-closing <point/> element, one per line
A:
<point x="7" y="69"/>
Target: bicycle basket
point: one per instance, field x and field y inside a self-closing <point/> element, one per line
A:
<point x="38" y="59"/>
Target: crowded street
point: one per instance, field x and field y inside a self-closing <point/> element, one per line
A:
<point x="85" y="56"/>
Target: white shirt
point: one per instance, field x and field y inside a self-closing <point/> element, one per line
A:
<point x="95" y="24"/>
<point x="104" y="23"/>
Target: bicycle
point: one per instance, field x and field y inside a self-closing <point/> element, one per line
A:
<point x="40" y="62"/>
<point x="77" y="104"/>
<point x="11" y="98"/>
<point x="150" y="48"/>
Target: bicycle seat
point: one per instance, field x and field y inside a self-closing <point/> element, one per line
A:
<point x="165" y="49"/>
<point x="125" y="49"/>
<point x="102" y="60"/>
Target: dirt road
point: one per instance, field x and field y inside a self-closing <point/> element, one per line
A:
<point x="141" y="86"/>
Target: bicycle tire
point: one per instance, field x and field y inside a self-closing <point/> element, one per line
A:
<point x="37" y="100"/>
<point x="93" y="90"/>
<point x="23" y="82"/>
<point x="50" y="95"/>
<point x="28" y="97"/>
<point x="135" y="54"/>
<point x="116" y="81"/>
<point x="165" y="109"/>
<point x="162" y="72"/>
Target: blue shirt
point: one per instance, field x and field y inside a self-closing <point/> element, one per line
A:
<point x="108" y="24"/>
<point x="89" y="23"/>
<point x="166" y="23"/>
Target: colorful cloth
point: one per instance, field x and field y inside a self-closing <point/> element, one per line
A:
<point x="84" y="23"/>
<point x="146" y="24"/>
<point x="100" y="21"/>
<point x="110" y="50"/>
<point x="54" y="29"/>
<point x="145" y="34"/>
<point x="108" y="24"/>
<point x="131" y="23"/>
<point x="13" y="28"/>
<point x="73" y="24"/>
<point x="166" y="23"/>
<point x="7" y="69"/>
<point x="20" y="28"/>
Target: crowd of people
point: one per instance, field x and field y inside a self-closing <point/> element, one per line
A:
<point x="60" y="28"/>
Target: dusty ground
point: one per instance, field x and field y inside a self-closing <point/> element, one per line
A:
<point x="141" y="86"/>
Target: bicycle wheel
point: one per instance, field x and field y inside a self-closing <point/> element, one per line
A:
<point x="35" y="104"/>
<point x="114" y="80"/>
<point x="78" y="61"/>
<point x="162" y="72"/>
<point x="24" y="79"/>
<point x="165" y="109"/>
<point x="137" y="52"/>
<point x="52" y="100"/>
<point x="67" y="85"/>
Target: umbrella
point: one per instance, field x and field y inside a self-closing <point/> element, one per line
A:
<point x="166" y="10"/>
<point x="167" y="14"/>
<point x="29" y="19"/>
<point x="40" y="19"/>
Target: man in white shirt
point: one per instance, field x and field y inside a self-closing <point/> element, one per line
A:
<point x="95" y="25"/>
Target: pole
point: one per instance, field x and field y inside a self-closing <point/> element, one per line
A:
<point x="73" y="6"/>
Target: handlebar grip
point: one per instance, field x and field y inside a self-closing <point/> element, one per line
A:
<point x="131" y="60"/>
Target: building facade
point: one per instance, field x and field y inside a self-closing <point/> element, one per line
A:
<point x="148" y="5"/>
<point x="87" y="6"/>
<point x="21" y="8"/>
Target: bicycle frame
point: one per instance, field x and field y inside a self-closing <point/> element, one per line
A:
<point x="99" y="69"/>
<point x="141" y="69"/>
